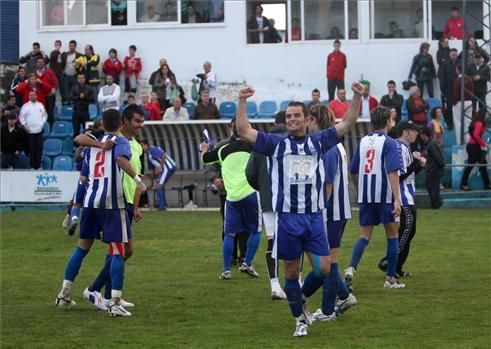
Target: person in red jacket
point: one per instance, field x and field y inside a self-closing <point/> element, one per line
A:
<point x="113" y="66"/>
<point x="454" y="27"/>
<point x="33" y="84"/>
<point x="335" y="67"/>
<point x="368" y="103"/>
<point x="416" y="106"/>
<point x="132" y="67"/>
<point x="153" y="107"/>
<point x="47" y="76"/>
<point x="477" y="149"/>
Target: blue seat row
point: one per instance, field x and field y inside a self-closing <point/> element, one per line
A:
<point x="59" y="163"/>
<point x="54" y="147"/>
<point x="65" y="112"/>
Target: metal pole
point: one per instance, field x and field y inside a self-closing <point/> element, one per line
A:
<point x="463" y="71"/>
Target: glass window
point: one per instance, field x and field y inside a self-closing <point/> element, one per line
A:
<point x="397" y="19"/>
<point x="119" y="12"/>
<point x="443" y="17"/>
<point x="266" y="22"/>
<point x="96" y="11"/>
<point x="296" y="22"/>
<point x="202" y="11"/>
<point x="324" y="19"/>
<point x="148" y="11"/>
<point x="353" y="19"/>
<point x="74" y="13"/>
<point x="53" y="12"/>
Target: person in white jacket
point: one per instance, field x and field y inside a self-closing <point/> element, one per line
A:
<point x="109" y="95"/>
<point x="32" y="117"/>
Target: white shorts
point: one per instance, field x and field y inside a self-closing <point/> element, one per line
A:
<point x="269" y="219"/>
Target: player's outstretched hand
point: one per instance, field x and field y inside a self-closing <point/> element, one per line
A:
<point x="141" y="187"/>
<point x="357" y="88"/>
<point x="107" y="145"/>
<point x="246" y="92"/>
<point x="397" y="207"/>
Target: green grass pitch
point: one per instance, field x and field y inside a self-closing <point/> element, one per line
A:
<point x="181" y="303"/>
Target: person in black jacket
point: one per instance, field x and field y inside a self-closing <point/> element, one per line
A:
<point x="393" y="99"/>
<point x="258" y="27"/>
<point x="12" y="140"/>
<point x="31" y="58"/>
<point x="424" y="69"/>
<point x="447" y="76"/>
<point x="434" y="167"/>
<point x="81" y="96"/>
<point x="258" y="177"/>
<point x="479" y="71"/>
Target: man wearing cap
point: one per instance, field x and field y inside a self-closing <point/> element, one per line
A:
<point x="412" y="163"/>
<point x="368" y="103"/>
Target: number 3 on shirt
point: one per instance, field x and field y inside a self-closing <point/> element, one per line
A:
<point x="100" y="158"/>
<point x="370" y="157"/>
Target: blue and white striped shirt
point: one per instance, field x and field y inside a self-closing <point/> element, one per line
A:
<point x="105" y="189"/>
<point x="336" y="168"/>
<point x="407" y="184"/>
<point x="154" y="156"/>
<point x="296" y="169"/>
<point x="377" y="155"/>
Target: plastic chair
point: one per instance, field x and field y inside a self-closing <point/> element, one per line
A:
<point x="228" y="110"/>
<point x="23" y="161"/>
<point x="56" y="113"/>
<point x="66" y="113"/>
<point x="46" y="163"/>
<point x="67" y="147"/>
<point x="284" y="105"/>
<point x="52" y="147"/>
<point x="404" y="112"/>
<point x="93" y="112"/>
<point x="267" y="109"/>
<point x="46" y="130"/>
<point x="63" y="163"/>
<point x="251" y="108"/>
<point x="190" y="107"/>
<point x="61" y="129"/>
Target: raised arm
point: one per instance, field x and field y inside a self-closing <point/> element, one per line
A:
<point x="244" y="128"/>
<point x="351" y="116"/>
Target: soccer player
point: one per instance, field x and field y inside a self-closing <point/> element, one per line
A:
<point x="242" y="207"/>
<point x="377" y="163"/>
<point x="297" y="179"/>
<point x="163" y="168"/>
<point x="413" y="162"/>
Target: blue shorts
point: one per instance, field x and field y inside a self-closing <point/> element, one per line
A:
<point x="243" y="215"/>
<point x="374" y="214"/>
<point x="297" y="233"/>
<point x="114" y="224"/>
<point x="335" y="230"/>
<point x="80" y="193"/>
<point x="129" y="210"/>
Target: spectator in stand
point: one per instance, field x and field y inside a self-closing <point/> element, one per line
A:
<point x="132" y="67"/>
<point x="447" y="74"/>
<point x="176" y="112"/>
<point x="191" y="16"/>
<point x="109" y="94"/>
<point x="12" y="140"/>
<point x="436" y="126"/>
<point x="55" y="65"/>
<point x="33" y="84"/>
<point x="442" y="56"/>
<point x="69" y="72"/>
<point x="273" y="32"/>
<point x="10" y="108"/>
<point x="316" y="98"/>
<point x="29" y="59"/>
<point x="296" y="30"/>
<point x="47" y="76"/>
<point x="417" y="107"/>
<point x="131" y="100"/>
<point x="368" y="103"/>
<point x="454" y="27"/>
<point x="394" y="31"/>
<point x="119" y="12"/>
<point x="150" y="16"/>
<point x="423" y="69"/>
<point x="208" y="82"/>
<point x="32" y="118"/>
<point x="258" y="27"/>
<point x="170" y="14"/>
<point x="335" y="67"/>
<point x="340" y="105"/>
<point x="153" y="107"/>
<point x="89" y="65"/>
<point x="206" y="109"/>
<point x="19" y="78"/>
<point x="434" y="167"/>
<point x="477" y="149"/>
<point x="418" y="27"/>
<point x="113" y="66"/>
<point x="335" y="33"/>
<point x="393" y="99"/>
<point x="164" y="82"/>
<point x="151" y="81"/>
<point x="472" y="48"/>
<point x="81" y="97"/>
<point x="460" y="105"/>
<point x="144" y="98"/>
<point x="353" y="34"/>
<point x="480" y="75"/>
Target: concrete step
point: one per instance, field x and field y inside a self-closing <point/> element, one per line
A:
<point x="466" y="203"/>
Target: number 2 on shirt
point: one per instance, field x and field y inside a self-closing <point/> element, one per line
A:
<point x="100" y="158"/>
<point x="370" y="157"/>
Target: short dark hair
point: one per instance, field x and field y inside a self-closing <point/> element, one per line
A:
<point x="315" y="90"/>
<point x="36" y="44"/>
<point x="336" y="42"/>
<point x="58" y="41"/>
<point x="425" y="131"/>
<point x="477" y="55"/>
<point x="130" y="111"/>
<point x="73" y="42"/>
<point x="305" y="110"/>
<point x="132" y="47"/>
<point x="40" y="58"/>
<point x="379" y="117"/>
<point x="20" y="67"/>
<point x="455" y="8"/>
<point x="280" y="118"/>
<point x="111" y="120"/>
<point x="391" y="82"/>
<point x="131" y="96"/>
<point x="433" y="112"/>
<point x="113" y="50"/>
<point x="80" y="73"/>
<point x="144" y="141"/>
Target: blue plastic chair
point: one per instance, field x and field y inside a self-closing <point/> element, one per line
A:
<point x="267" y="109"/>
<point x="46" y="130"/>
<point x="307" y="101"/>
<point x="325" y="102"/>
<point x="66" y="113"/>
<point x="52" y="147"/>
<point x="284" y="105"/>
<point x="63" y="163"/>
<point x="433" y="103"/>
<point x="46" y="163"/>
<point x="228" y="110"/>
<point x="190" y="107"/>
<point x="23" y="161"/>
<point x="61" y="129"/>
<point x="67" y="147"/>
<point x="251" y="108"/>
<point x="93" y="112"/>
<point x="56" y="113"/>
<point x="404" y="112"/>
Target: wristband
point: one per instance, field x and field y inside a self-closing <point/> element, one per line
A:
<point x="137" y="179"/>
